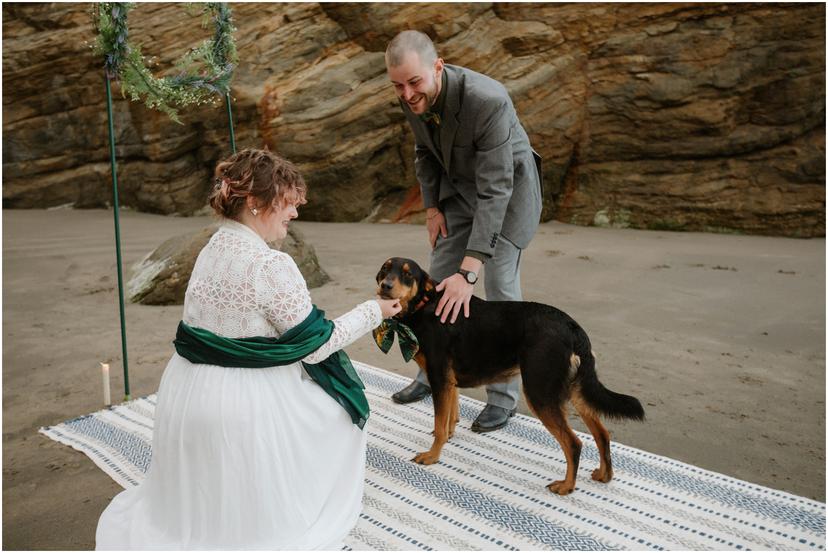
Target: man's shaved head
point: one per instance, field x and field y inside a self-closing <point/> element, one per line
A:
<point x="415" y="70"/>
<point x="410" y="41"/>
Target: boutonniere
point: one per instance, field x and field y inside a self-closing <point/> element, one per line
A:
<point x="384" y="337"/>
<point x="431" y="117"/>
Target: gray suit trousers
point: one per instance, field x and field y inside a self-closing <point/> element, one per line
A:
<point x="501" y="276"/>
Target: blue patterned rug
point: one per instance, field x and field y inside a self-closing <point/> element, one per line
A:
<point x="488" y="490"/>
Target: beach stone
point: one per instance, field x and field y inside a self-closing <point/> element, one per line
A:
<point x="676" y="116"/>
<point x="161" y="278"/>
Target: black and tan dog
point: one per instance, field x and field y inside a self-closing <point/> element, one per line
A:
<point x="499" y="339"/>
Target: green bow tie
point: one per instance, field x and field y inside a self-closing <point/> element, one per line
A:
<point x="384" y="337"/>
<point x="430" y="117"/>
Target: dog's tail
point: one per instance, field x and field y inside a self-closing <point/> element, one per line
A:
<point x="606" y="402"/>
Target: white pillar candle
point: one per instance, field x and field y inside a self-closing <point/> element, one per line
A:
<point x="105" y="376"/>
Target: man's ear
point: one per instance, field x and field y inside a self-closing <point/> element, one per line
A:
<point x="439" y="65"/>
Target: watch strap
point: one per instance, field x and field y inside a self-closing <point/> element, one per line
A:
<point x="465" y="274"/>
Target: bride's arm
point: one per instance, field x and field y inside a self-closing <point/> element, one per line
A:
<point x="284" y="295"/>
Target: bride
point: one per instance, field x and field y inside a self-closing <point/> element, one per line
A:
<point x="245" y="454"/>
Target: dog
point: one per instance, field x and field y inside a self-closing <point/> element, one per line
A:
<point x="546" y="346"/>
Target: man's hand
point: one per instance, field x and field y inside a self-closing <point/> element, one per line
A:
<point x="435" y="222"/>
<point x="457" y="295"/>
<point x="457" y="291"/>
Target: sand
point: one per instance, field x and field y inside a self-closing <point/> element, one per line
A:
<point x="721" y="337"/>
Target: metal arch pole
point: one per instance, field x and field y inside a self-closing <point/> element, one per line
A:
<point x="117" y="234"/>
<point x="230" y="121"/>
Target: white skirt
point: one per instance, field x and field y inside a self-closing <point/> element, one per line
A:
<point x="242" y="459"/>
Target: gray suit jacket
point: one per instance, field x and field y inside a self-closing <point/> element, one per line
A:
<point x="486" y="157"/>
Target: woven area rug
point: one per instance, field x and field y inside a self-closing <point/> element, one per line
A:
<point x="488" y="491"/>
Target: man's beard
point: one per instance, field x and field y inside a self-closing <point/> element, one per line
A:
<point x="431" y="96"/>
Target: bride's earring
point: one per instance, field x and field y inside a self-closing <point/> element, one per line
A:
<point x="254" y="211"/>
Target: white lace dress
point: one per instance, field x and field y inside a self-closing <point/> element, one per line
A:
<point x="246" y="458"/>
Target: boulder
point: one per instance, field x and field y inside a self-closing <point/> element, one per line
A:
<point x="161" y="278"/>
<point x="666" y="115"/>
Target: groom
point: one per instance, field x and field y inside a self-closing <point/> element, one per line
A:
<point x="481" y="186"/>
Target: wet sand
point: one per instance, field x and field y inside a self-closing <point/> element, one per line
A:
<point x="721" y="337"/>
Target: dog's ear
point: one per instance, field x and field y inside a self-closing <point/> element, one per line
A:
<point x="426" y="284"/>
<point x="429" y="285"/>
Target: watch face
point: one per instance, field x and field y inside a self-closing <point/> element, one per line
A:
<point x="471" y="277"/>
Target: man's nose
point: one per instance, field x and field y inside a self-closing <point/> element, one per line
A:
<point x="407" y="93"/>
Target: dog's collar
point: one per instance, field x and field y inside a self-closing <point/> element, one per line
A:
<point x="425" y="300"/>
<point x="422" y="303"/>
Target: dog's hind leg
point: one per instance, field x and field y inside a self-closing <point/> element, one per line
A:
<point x="554" y="419"/>
<point x="547" y="365"/>
<point x="443" y="398"/>
<point x="602" y="437"/>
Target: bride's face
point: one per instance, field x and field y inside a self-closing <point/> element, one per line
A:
<point x="276" y="220"/>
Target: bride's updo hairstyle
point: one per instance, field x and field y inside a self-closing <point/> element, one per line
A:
<point x="270" y="180"/>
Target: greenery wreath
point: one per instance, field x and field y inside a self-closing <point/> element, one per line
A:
<point x="202" y="76"/>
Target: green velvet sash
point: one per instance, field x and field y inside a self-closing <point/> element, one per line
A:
<point x="335" y="374"/>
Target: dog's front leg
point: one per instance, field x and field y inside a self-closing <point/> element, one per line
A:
<point x="454" y="414"/>
<point x="443" y="400"/>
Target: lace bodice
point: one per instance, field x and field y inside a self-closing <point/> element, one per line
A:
<point x="240" y="288"/>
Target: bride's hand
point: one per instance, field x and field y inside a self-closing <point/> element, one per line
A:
<point x="389" y="308"/>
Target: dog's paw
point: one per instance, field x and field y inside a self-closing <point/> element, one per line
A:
<point x="602" y="476"/>
<point x="561" y="487"/>
<point x="426" y="458"/>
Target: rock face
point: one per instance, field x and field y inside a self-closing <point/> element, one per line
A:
<point x="676" y="116"/>
<point x="161" y="278"/>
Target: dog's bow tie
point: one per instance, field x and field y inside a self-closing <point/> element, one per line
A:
<point x="384" y="337"/>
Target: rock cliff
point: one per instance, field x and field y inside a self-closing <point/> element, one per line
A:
<point x="676" y="116"/>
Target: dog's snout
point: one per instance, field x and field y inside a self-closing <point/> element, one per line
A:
<point x="386" y="286"/>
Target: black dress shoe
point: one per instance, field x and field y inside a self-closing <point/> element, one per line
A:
<point x="492" y="418"/>
<point x="413" y="392"/>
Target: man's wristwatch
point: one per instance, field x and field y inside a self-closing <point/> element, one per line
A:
<point x="470" y="276"/>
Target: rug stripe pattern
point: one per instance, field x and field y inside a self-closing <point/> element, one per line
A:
<point x="488" y="490"/>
